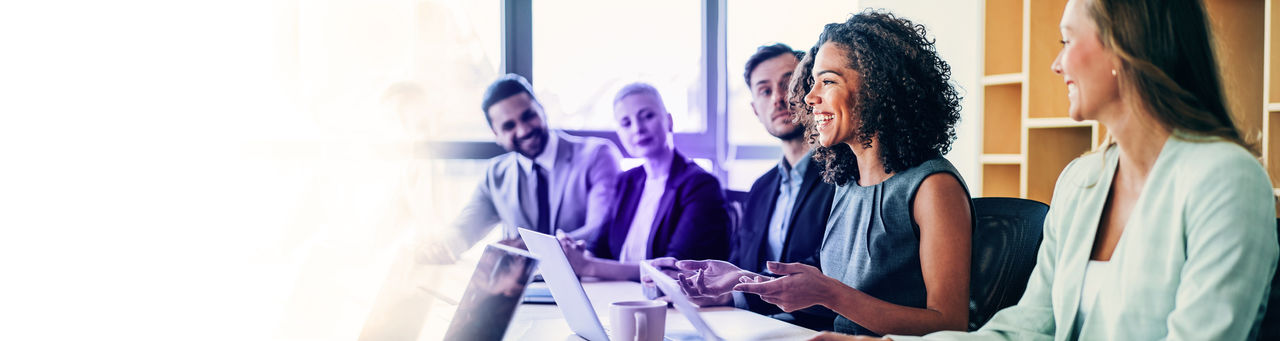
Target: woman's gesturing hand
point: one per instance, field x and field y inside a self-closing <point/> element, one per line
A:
<point x="801" y="286"/>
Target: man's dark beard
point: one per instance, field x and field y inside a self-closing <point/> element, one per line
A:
<point x="794" y="134"/>
<point x="516" y="144"/>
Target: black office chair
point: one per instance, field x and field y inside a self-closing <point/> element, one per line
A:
<point x="1005" y="241"/>
<point x="1270" y="329"/>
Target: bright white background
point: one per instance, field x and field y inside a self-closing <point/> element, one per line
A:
<point x="247" y="169"/>
<point x="957" y="27"/>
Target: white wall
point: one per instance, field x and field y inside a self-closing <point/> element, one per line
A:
<point x="957" y="27"/>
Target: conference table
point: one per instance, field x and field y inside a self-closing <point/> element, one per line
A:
<point x="545" y="322"/>
<point x="537" y="321"/>
<point x="417" y="302"/>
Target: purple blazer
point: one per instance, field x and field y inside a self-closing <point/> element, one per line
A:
<point x="692" y="221"/>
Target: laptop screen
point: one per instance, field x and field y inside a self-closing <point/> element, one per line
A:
<point x="563" y="283"/>
<point x="492" y="295"/>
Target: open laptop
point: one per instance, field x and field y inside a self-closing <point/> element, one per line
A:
<point x="564" y="285"/>
<point x="678" y="299"/>
<point x="573" y="300"/>
<point x="492" y="295"/>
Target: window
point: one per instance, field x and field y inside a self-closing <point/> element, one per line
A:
<point x="429" y="65"/>
<point x="581" y="52"/>
<point x="584" y="51"/>
<point x="745" y="172"/>
<point x="752" y="23"/>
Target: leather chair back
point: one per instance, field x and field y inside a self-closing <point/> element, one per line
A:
<point x="1005" y="241"/>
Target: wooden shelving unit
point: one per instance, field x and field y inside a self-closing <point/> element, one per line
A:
<point x="1002" y="99"/>
<point x="1027" y="136"/>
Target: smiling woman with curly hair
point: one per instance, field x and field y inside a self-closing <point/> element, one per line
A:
<point x="878" y="100"/>
<point x="905" y="99"/>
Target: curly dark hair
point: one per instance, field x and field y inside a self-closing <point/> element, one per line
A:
<point x="906" y="99"/>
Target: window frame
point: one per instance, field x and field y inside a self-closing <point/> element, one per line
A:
<point x="712" y="143"/>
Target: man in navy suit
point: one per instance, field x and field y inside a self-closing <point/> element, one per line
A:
<point x="548" y="181"/>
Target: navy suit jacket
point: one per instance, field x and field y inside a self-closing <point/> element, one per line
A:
<point x="692" y="222"/>
<point x="808" y="220"/>
<point x="802" y="242"/>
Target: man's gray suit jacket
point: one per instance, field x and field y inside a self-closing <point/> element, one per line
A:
<point x="581" y="190"/>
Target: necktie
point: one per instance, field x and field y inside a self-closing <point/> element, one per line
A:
<point x="544" y="202"/>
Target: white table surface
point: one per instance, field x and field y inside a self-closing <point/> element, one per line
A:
<point x="410" y="306"/>
<point x="544" y="321"/>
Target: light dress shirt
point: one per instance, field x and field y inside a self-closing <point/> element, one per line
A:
<point x="529" y="180"/>
<point x="789" y="181"/>
<point x="636" y="246"/>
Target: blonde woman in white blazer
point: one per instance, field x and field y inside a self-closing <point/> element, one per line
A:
<point x="1168" y="231"/>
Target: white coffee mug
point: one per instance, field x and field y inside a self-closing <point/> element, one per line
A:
<point x="638" y="320"/>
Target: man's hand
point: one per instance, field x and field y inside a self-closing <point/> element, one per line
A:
<point x="801" y="286"/>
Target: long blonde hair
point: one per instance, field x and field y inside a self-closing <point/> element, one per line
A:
<point x="1167" y="62"/>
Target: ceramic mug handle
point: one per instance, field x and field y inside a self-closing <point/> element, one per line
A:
<point x="642" y="326"/>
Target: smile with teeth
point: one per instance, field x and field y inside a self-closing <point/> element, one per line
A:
<point x="823" y="118"/>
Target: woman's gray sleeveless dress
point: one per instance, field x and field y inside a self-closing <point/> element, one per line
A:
<point x="872" y="243"/>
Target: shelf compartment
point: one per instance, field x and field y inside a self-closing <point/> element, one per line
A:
<point x="1000" y="181"/>
<point x="1050" y="150"/>
<point x="1002" y="119"/>
<point x="1003" y="36"/>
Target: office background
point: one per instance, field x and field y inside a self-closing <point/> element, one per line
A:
<point x="256" y="169"/>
